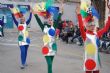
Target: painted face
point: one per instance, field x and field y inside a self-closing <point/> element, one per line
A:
<point x="50" y="21"/>
<point x="22" y="20"/>
<point x="90" y="26"/>
<point x="71" y="24"/>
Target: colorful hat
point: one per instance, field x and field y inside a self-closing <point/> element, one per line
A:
<point x="88" y="11"/>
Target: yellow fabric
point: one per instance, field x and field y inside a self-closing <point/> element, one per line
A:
<point x="90" y="49"/>
<point x="39" y="7"/>
<point x="84" y="6"/>
<point x="46" y="39"/>
<point x="26" y="33"/>
<point x="15" y="10"/>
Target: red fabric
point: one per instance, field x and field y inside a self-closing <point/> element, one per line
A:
<point x="99" y="33"/>
<point x="92" y="71"/>
<point x="105" y="29"/>
<point x="45" y="50"/>
<point x="20" y="28"/>
<point x="57" y="31"/>
<point x="90" y="32"/>
<point x="88" y="71"/>
<point x="44" y="14"/>
<point x="88" y="19"/>
<point x="18" y="15"/>
<point x="64" y="24"/>
<point x="83" y="33"/>
<point x="90" y="64"/>
<point x="96" y="71"/>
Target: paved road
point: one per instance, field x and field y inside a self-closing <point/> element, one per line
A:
<point x="69" y="57"/>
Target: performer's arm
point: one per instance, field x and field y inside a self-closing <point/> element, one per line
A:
<point x="105" y="29"/>
<point x="82" y="29"/>
<point x="30" y="17"/>
<point x="15" y="21"/>
<point x="39" y="22"/>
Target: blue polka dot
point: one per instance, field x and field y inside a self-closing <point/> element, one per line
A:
<point x="51" y="32"/>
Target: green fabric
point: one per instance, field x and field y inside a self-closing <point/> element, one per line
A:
<point x="99" y="59"/>
<point x="49" y="60"/>
<point x="84" y="13"/>
<point x="49" y="3"/>
<point x="54" y="46"/>
<point x="47" y="25"/>
<point x="39" y="22"/>
<point x="20" y="38"/>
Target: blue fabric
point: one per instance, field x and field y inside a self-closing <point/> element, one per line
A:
<point x="98" y="42"/>
<point x="28" y="21"/>
<point x="53" y="10"/>
<point x="15" y="21"/>
<point x="95" y="13"/>
<point x="23" y="10"/>
<point x="52" y="32"/>
<point x="24" y="50"/>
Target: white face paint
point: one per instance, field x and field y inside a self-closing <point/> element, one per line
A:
<point x="50" y="21"/>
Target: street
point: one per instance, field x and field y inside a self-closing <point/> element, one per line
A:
<point x="69" y="58"/>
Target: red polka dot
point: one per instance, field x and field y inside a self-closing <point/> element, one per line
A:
<point x="45" y="50"/>
<point x="90" y="64"/>
<point x="20" y="28"/>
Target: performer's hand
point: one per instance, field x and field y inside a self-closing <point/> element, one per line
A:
<point x="78" y="9"/>
<point x="31" y="10"/>
<point x="10" y="9"/>
<point x="62" y="6"/>
<point x="108" y="5"/>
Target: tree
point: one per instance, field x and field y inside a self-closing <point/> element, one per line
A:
<point x="100" y="6"/>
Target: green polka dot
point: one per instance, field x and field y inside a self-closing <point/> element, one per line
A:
<point x="54" y="46"/>
<point x="20" y="38"/>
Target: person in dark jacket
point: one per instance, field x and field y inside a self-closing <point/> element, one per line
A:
<point x="2" y="26"/>
<point x="77" y="35"/>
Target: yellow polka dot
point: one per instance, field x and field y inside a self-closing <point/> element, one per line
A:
<point x="90" y="49"/>
<point x="26" y="33"/>
<point x="46" y="39"/>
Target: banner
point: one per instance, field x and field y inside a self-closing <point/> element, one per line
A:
<point x="6" y="6"/>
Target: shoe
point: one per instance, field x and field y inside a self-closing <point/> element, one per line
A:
<point x="80" y="44"/>
<point x="26" y="65"/>
<point x="22" y="67"/>
<point x="72" y="41"/>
